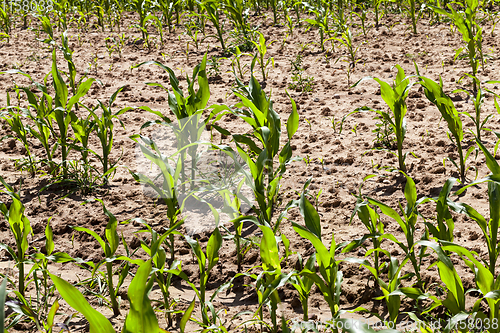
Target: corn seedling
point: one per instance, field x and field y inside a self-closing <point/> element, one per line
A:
<point x="163" y="271"/>
<point x="320" y="21"/>
<point x="20" y="227"/>
<point x="213" y="10"/>
<point x="259" y="114"/>
<point x="362" y="17"/>
<point x="339" y="123"/>
<point x="478" y="100"/>
<point x="167" y="8"/>
<point x="109" y="247"/>
<point x="261" y="52"/>
<point x="13" y="117"/>
<point x="206" y="261"/>
<point x="329" y="278"/>
<point x="104" y="131"/>
<point x="272" y="278"/>
<point x="395" y="97"/>
<point x="389" y="288"/>
<point x="371" y="220"/>
<point x="465" y="22"/>
<point x="186" y="109"/>
<point x="407" y="222"/>
<point x="307" y="160"/>
<point x="168" y="191"/>
<point x="236" y="63"/>
<point x="43" y="126"/>
<point x="235" y="10"/>
<point x="303" y="285"/>
<point x="347" y="41"/>
<point x="489" y="227"/>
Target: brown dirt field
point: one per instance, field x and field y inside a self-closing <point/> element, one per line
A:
<point x="347" y="156"/>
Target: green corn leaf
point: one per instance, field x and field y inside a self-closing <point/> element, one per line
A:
<point x="195" y="246"/>
<point x="98" y="323"/>
<point x="269" y="250"/>
<point x="92" y="233"/>
<point x="455" y="300"/>
<point x="389" y="212"/>
<point x="51" y="315"/>
<point x="59" y="84"/>
<point x="213" y="246"/>
<point x="490" y="160"/>
<point x="484" y="278"/>
<point x="111" y="233"/>
<point x="49" y="239"/>
<point x="323" y="255"/>
<point x="292" y="123"/>
<point x="141" y="317"/>
<point x="187" y="315"/>
<point x="410" y="191"/>
<point x="311" y="216"/>
<point x="83" y="88"/>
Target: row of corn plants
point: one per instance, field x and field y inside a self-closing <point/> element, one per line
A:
<point x="329" y="18"/>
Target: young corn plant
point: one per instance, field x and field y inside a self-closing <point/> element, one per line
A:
<point x="42" y="308"/>
<point x="109" y="247"/>
<point x="303" y="285"/>
<point x="362" y="15"/>
<point x="168" y="191"/>
<point x="206" y="262"/>
<point x="261" y="53"/>
<point x="443" y="230"/>
<point x="167" y="8"/>
<point x="371" y="220"/>
<point x="6" y="22"/>
<point x="186" y="109"/>
<point x="238" y="14"/>
<point x="163" y="273"/>
<point x="329" y="278"/>
<point x="351" y="57"/>
<point x="14" y="118"/>
<point x="272" y="278"/>
<point x="264" y="177"/>
<point x="233" y="200"/>
<point x="213" y="11"/>
<point x="466" y="23"/>
<point x="435" y="94"/>
<point x="49" y="109"/>
<point x="320" y="21"/>
<point x="395" y="98"/>
<point x="407" y="221"/>
<point x="20" y="227"/>
<point x="104" y="130"/>
<point x="62" y="113"/>
<point x="389" y="288"/>
<point x="83" y="128"/>
<point x="236" y="64"/>
<point x="489" y="227"/>
<point x="413" y="15"/>
<point x="454" y="302"/>
<point x="478" y="101"/>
